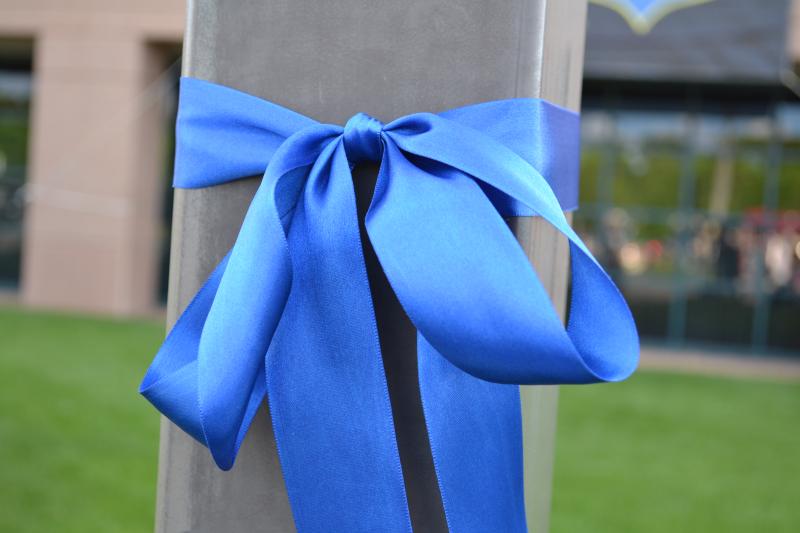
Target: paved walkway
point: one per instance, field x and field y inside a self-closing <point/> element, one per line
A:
<point x="721" y="364"/>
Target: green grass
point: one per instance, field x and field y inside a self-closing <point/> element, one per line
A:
<point x="78" y="446"/>
<point x="670" y="453"/>
<point x="659" y="453"/>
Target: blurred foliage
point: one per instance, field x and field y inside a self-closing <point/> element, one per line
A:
<point x="591" y="159"/>
<point x="13" y="138"/>
<point x="663" y="453"/>
<point x="749" y="178"/>
<point x="652" y="178"/>
<point x="789" y="187"/>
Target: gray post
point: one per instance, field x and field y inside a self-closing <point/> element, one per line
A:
<point x="329" y="60"/>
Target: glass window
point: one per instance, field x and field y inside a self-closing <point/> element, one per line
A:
<point x="697" y="217"/>
<point x="15" y="92"/>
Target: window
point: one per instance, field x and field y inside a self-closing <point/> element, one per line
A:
<point x="15" y="95"/>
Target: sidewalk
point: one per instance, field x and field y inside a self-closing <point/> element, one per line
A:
<point x="720" y="364"/>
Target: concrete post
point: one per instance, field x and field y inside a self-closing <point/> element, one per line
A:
<point x="329" y="60"/>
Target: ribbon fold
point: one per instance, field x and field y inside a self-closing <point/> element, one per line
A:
<point x="288" y="315"/>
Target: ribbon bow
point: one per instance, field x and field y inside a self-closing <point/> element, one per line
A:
<point x="288" y="312"/>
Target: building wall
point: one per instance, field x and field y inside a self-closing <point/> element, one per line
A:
<point x="793" y="36"/>
<point x="95" y="155"/>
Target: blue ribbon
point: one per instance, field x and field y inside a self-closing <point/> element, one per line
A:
<point x="288" y="312"/>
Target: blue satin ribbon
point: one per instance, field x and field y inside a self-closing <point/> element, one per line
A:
<point x="288" y="313"/>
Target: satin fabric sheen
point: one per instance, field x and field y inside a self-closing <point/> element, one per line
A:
<point x="287" y="314"/>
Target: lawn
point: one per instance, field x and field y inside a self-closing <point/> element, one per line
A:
<point x="78" y="446"/>
<point x="659" y="453"/>
<point x="670" y="453"/>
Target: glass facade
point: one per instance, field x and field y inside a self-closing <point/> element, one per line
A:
<point x="692" y="201"/>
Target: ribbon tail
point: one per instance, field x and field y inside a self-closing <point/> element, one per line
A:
<point x="468" y="287"/>
<point x="231" y="368"/>
<point x="327" y="389"/>
<point x="423" y="227"/>
<point x="475" y="432"/>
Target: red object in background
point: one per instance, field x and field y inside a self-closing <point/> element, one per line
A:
<point x="654" y="249"/>
<point x="778" y="220"/>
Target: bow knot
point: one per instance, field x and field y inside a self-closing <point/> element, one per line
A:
<point x="288" y="315"/>
<point x="362" y="138"/>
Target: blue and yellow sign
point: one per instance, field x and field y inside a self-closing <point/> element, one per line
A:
<point x="642" y="15"/>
